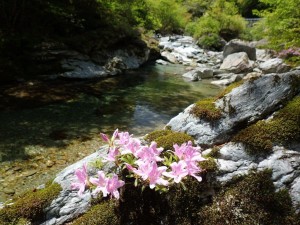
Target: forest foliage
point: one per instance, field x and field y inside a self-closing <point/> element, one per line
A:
<point x="25" y="24"/>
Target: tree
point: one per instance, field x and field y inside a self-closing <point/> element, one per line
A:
<point x="281" y="23"/>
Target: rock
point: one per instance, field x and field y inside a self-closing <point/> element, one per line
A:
<point x="275" y="65"/>
<point x="82" y="69"/>
<point x="252" y="75"/>
<point x="284" y="163"/>
<point x="9" y="191"/>
<point x="235" y="46"/>
<point x="68" y="205"/>
<point x="243" y="105"/>
<point x="192" y="75"/>
<point x="237" y="63"/>
<point x="161" y="62"/>
<point x="198" y="74"/>
<point x="169" y="57"/>
<point x="227" y="79"/>
<point x="263" y="55"/>
<point x="49" y="163"/>
<point x="29" y="173"/>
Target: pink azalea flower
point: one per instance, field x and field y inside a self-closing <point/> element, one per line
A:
<point x="150" y="153"/>
<point x="178" y="172"/>
<point x="124" y="138"/>
<point x="193" y="169"/>
<point x="143" y="170"/>
<point x="104" y="137"/>
<point x="131" y="147"/>
<point x="82" y="177"/>
<point x="109" y="141"/>
<point x="155" y="176"/>
<point x="112" y="154"/>
<point x="115" y="134"/>
<point x="100" y="183"/>
<point x="113" y="184"/>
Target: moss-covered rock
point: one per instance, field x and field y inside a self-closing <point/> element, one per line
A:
<point x="30" y="206"/>
<point x="167" y="138"/>
<point x="156" y="134"/>
<point x="229" y="88"/>
<point x="209" y="165"/>
<point x="250" y="200"/>
<point x="206" y="109"/>
<point x="103" y="213"/>
<point x="283" y="128"/>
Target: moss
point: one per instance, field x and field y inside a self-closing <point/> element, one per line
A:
<point x="156" y="134"/>
<point x="283" y="128"/>
<point x="103" y="213"/>
<point x="251" y="200"/>
<point x="30" y="206"/>
<point x="215" y="152"/>
<point x="183" y="204"/>
<point x="209" y="165"/>
<point x="167" y="138"/>
<point x="229" y="88"/>
<point x="206" y="109"/>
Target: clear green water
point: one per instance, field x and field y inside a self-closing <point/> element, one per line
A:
<point x="138" y="102"/>
<point x="44" y="139"/>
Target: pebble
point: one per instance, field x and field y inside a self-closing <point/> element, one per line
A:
<point x="29" y="173"/>
<point x="9" y="191"/>
<point x="49" y="163"/>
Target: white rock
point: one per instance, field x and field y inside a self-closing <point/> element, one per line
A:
<point x="275" y="65"/>
<point x="237" y="63"/>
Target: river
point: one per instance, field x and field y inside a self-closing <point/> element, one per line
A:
<point x="48" y="125"/>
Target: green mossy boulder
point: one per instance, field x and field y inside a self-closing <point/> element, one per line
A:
<point x="29" y="206"/>
<point x="102" y="214"/>
<point x="282" y="129"/>
<point x="250" y="200"/>
<point x="167" y="138"/>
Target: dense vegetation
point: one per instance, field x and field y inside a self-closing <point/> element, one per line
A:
<point x="89" y="25"/>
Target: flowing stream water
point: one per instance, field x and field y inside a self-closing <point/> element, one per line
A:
<point x="47" y="128"/>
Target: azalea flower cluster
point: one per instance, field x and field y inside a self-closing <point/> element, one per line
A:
<point x="148" y="165"/>
<point x="287" y="53"/>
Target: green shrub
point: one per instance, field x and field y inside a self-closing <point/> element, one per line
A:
<point x="221" y="20"/>
<point x="169" y="14"/>
<point x="281" y="23"/>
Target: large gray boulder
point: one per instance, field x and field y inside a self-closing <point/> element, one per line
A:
<point x="252" y="101"/>
<point x="237" y="63"/>
<point x="235" y="46"/>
